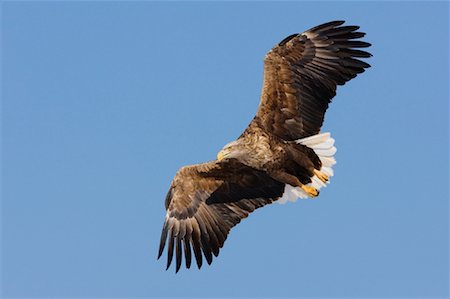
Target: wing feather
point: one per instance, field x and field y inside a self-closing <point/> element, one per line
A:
<point x="170" y="250"/>
<point x="301" y="75"/>
<point x="178" y="254"/>
<point x="162" y="242"/>
<point x="195" y="241"/>
<point x="187" y="252"/>
<point x="205" y="202"/>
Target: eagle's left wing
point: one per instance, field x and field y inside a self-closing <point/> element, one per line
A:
<point x="301" y="75"/>
<point x="205" y="201"/>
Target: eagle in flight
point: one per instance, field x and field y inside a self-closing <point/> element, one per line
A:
<point x="281" y="155"/>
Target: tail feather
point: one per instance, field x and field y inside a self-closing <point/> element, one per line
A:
<point x="315" y="139"/>
<point x="327" y="161"/>
<point x="327" y="170"/>
<point x="329" y="152"/>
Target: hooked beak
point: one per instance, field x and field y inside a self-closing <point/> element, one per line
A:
<point x="220" y="155"/>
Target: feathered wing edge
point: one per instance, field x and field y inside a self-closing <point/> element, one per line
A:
<point x="301" y="75"/>
<point x="198" y="220"/>
<point x="336" y="52"/>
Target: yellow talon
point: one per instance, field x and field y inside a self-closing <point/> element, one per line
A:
<point x="312" y="192"/>
<point x="322" y="176"/>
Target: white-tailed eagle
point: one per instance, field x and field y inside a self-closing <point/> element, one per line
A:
<point x="281" y="155"/>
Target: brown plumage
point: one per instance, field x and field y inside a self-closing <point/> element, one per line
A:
<point x="279" y="154"/>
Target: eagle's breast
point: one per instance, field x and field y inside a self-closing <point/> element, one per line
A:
<point x="264" y="150"/>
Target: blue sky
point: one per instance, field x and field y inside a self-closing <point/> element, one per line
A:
<point x="103" y="101"/>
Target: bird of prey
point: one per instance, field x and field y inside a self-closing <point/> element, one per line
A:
<point x="281" y="155"/>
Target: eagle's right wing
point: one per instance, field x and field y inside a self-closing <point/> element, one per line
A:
<point x="301" y="74"/>
<point x="205" y="201"/>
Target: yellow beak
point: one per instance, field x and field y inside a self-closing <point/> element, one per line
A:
<point x="220" y="155"/>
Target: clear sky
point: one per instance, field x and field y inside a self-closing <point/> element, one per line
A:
<point x="103" y="101"/>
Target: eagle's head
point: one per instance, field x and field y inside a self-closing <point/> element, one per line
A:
<point x="234" y="149"/>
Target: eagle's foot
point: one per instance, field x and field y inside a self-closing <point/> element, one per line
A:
<point x="322" y="176"/>
<point x="312" y="192"/>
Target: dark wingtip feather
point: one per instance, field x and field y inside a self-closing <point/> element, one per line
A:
<point x="327" y="25"/>
<point x="356" y="53"/>
<point x="162" y="242"/>
<point x="286" y="39"/>
<point x="170" y="251"/>
<point x="340" y="31"/>
<point x="178" y="255"/>
<point x="354" y="63"/>
<point x="207" y="252"/>
<point x="352" y="44"/>
<point x="199" y="262"/>
<point x="334" y="23"/>
<point x="360" y="44"/>
<point x="187" y="253"/>
<point x="354" y="35"/>
<point x="197" y="251"/>
<point x="216" y="251"/>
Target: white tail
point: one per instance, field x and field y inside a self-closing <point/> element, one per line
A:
<point x="323" y="146"/>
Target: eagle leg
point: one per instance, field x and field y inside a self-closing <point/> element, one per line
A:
<point x="322" y="176"/>
<point x="311" y="191"/>
<point x="287" y="178"/>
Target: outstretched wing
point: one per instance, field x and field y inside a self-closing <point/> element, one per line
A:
<point x="301" y="74"/>
<point x="205" y="201"/>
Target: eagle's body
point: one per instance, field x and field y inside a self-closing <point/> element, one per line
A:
<point x="279" y="157"/>
<point x="257" y="148"/>
<point x="265" y="151"/>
